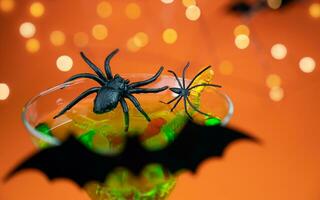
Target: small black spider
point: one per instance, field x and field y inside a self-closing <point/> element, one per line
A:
<point x="113" y="89"/>
<point x="184" y="92"/>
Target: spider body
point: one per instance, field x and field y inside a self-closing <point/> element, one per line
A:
<point x="183" y="91"/>
<point x="112" y="90"/>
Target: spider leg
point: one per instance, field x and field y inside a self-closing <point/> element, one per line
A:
<point x="125" y="109"/>
<point x="195" y="108"/>
<point x="107" y="63"/>
<point x="205" y="84"/>
<point x="145" y="82"/>
<point x="76" y="100"/>
<point x="184" y="74"/>
<point x="197" y="76"/>
<point x="147" y="90"/>
<point x="175" y="75"/>
<point x="172" y="100"/>
<point x="138" y="106"/>
<point x="93" y="66"/>
<point x="86" y="75"/>
<point x="175" y="105"/>
<point x="185" y="107"/>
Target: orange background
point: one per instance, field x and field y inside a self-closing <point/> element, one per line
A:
<point x="285" y="166"/>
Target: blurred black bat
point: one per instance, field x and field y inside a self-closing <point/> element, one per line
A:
<point x="246" y="8"/>
<point x="72" y="160"/>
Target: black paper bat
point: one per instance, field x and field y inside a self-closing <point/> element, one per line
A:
<point x="72" y="160"/>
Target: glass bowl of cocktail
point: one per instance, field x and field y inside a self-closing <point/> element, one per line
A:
<point x="105" y="133"/>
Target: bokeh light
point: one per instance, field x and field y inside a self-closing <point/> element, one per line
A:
<point x="273" y="80"/>
<point x="141" y="39"/>
<point x="4" y="91"/>
<point x="131" y="45"/>
<point x="241" y="30"/>
<point x="278" y="51"/>
<point x="307" y="64"/>
<point x="167" y="1"/>
<point x="100" y="32"/>
<point x="188" y="3"/>
<point x="226" y="67"/>
<point x="276" y="94"/>
<point x="242" y="41"/>
<point x="27" y="30"/>
<point x="32" y="45"/>
<point x="64" y="63"/>
<point x="104" y="9"/>
<point x="193" y="12"/>
<point x="7" y="5"/>
<point x="314" y="10"/>
<point x="133" y="11"/>
<point x="169" y="36"/>
<point x="81" y="39"/>
<point x="37" y="9"/>
<point x="57" y="38"/>
<point x="274" y="4"/>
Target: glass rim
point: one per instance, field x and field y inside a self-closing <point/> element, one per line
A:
<point x="54" y="141"/>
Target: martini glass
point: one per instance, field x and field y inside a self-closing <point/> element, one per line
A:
<point x="105" y="134"/>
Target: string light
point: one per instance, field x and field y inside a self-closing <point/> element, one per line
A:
<point x="32" y="45"/>
<point x="307" y="64"/>
<point x="64" y="63"/>
<point x="169" y="36"/>
<point x="274" y="4"/>
<point x="188" y="3"/>
<point x="242" y="41"/>
<point x="193" y="12"/>
<point x="273" y="80"/>
<point x="7" y="5"/>
<point x="133" y="11"/>
<point x="80" y="39"/>
<point x="278" y="51"/>
<point x="241" y="30"/>
<point x="104" y="9"/>
<point x="4" y="91"/>
<point x="314" y="10"/>
<point x="141" y="39"/>
<point x="131" y="45"/>
<point x="99" y="32"/>
<point x="276" y="94"/>
<point x="57" y="38"/>
<point x="226" y="67"/>
<point x="167" y="1"/>
<point x="27" y="30"/>
<point x="37" y="9"/>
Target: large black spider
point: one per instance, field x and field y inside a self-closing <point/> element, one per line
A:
<point x="184" y="92"/>
<point x="113" y="89"/>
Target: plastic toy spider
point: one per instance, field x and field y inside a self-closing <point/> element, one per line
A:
<point x="113" y="89"/>
<point x="184" y="92"/>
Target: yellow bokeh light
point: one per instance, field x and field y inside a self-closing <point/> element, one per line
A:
<point x="27" y="30"/>
<point x="141" y="39"/>
<point x="104" y="9"/>
<point x="132" y="46"/>
<point x="32" y="45"/>
<point x="133" y="11"/>
<point x="37" y="9"/>
<point x="57" y="38"/>
<point x="307" y="64"/>
<point x="100" y="32"/>
<point x="226" y="67"/>
<point x="314" y="10"/>
<point x="242" y="41"/>
<point x="169" y="36"/>
<point x="167" y="1"/>
<point x="276" y="94"/>
<point x="274" y="4"/>
<point x="64" y="63"/>
<point x="80" y="39"/>
<point x="193" y="12"/>
<point x="273" y="80"/>
<point x="241" y="30"/>
<point x="188" y="3"/>
<point x="278" y="51"/>
<point x="4" y="91"/>
<point x="7" y="5"/>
